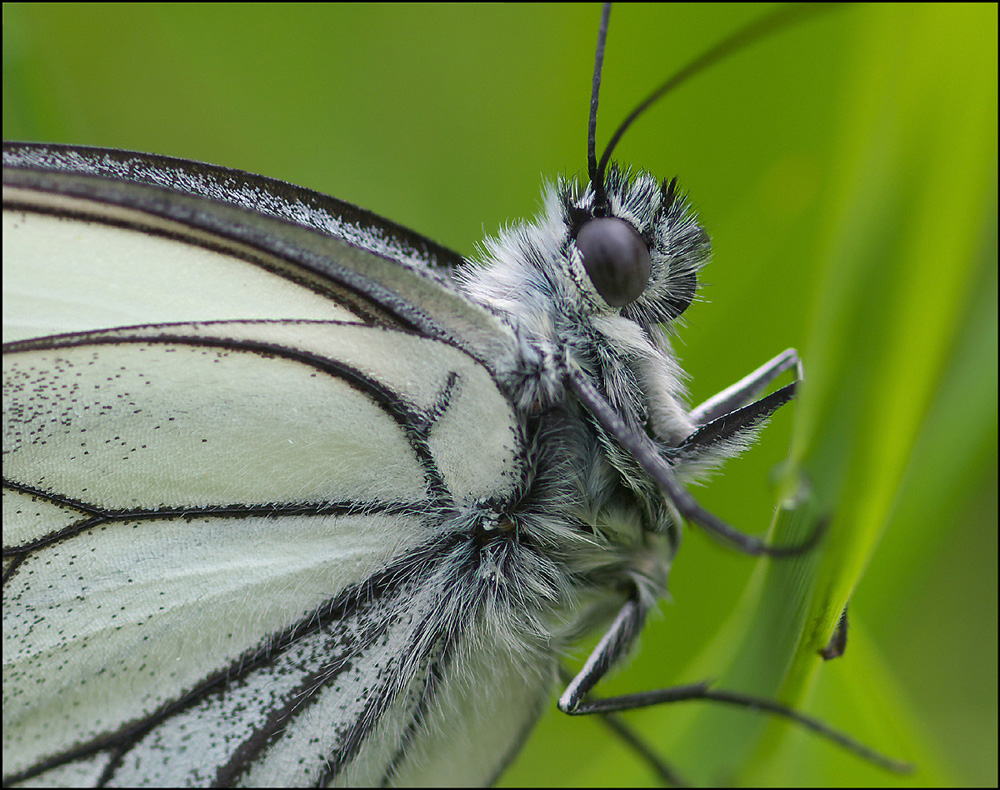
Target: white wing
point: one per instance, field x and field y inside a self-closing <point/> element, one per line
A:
<point x="237" y="531"/>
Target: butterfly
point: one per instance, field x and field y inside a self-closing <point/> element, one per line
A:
<point x="424" y="255"/>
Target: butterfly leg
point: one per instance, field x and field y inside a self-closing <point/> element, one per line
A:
<point x="666" y="772"/>
<point x="649" y="457"/>
<point x="837" y="645"/>
<point x="740" y="393"/>
<point x="634" y="741"/>
<point x="733" y="427"/>
<point x="615" y="644"/>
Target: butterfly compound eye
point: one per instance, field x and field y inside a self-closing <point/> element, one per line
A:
<point x="616" y="259"/>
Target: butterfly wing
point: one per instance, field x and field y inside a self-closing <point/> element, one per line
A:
<point x="240" y="455"/>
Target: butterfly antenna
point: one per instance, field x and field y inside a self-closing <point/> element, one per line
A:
<point x="784" y="16"/>
<point x="600" y="197"/>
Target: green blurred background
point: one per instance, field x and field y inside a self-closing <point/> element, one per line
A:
<point x="447" y="119"/>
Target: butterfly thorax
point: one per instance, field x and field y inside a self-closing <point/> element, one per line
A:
<point x="606" y="520"/>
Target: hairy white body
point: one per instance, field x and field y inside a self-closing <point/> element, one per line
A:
<point x="336" y="524"/>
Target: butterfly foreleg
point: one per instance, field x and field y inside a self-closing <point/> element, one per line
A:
<point x="740" y="393"/>
<point x="648" y="455"/>
<point x="734" y="428"/>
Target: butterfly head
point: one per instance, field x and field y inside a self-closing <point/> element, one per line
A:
<point x="633" y="247"/>
<point x="636" y="256"/>
<point x="597" y="283"/>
